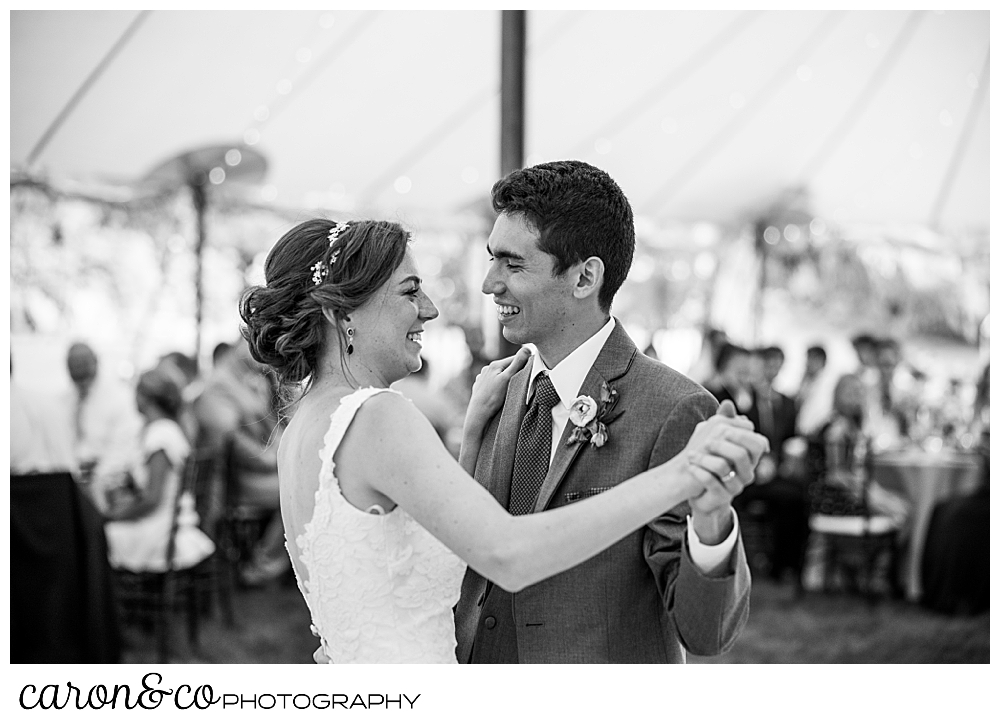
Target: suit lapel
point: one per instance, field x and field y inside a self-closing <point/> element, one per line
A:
<point x="611" y="364"/>
<point x="514" y="407"/>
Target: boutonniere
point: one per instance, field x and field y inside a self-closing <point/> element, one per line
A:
<point x="588" y="417"/>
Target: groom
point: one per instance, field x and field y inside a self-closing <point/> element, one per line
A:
<point x="561" y="248"/>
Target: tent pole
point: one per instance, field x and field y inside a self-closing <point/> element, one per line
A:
<point x="197" y="187"/>
<point x="512" y="44"/>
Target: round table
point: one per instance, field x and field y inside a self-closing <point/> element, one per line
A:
<point x="924" y="478"/>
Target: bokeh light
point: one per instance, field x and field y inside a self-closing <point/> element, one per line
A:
<point x="251" y="136"/>
<point x="233" y="157"/>
<point x="772" y="235"/>
<point x="704" y="265"/>
<point x="403" y="185"/>
<point x="217" y="175"/>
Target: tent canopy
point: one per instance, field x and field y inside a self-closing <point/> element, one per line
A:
<point x="700" y="116"/>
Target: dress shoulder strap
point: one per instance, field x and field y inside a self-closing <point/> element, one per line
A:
<point x="340" y="421"/>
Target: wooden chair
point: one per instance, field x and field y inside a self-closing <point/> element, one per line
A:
<point x="854" y="545"/>
<point x="237" y="531"/>
<point x="150" y="598"/>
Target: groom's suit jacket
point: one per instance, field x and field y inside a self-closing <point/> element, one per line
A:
<point x="640" y="601"/>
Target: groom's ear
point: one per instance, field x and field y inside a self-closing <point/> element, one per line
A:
<point x="589" y="277"/>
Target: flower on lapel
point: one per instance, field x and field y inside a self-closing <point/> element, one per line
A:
<point x="587" y="417"/>
<point x="583" y="410"/>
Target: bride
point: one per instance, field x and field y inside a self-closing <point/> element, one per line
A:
<point x="380" y="519"/>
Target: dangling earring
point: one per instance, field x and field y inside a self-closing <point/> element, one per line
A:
<point x="350" y="340"/>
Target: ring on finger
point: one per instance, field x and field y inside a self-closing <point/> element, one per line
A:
<point x="728" y="476"/>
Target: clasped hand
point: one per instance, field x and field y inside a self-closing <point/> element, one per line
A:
<point x="720" y="458"/>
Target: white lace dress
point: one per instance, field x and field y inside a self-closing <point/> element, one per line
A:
<point x="380" y="588"/>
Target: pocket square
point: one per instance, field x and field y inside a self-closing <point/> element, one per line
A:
<point x="574" y="495"/>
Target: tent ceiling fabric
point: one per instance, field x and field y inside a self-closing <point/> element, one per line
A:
<point x="698" y="115"/>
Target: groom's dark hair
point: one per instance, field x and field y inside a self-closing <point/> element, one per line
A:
<point x="578" y="211"/>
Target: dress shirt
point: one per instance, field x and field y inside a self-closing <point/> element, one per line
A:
<point x="37" y="445"/>
<point x="567" y="377"/>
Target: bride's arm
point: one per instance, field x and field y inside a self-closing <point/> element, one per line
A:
<point x="488" y="394"/>
<point x="411" y="467"/>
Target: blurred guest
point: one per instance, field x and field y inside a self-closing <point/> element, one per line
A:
<point x="239" y="426"/>
<point x="735" y="378"/>
<point x="955" y="573"/>
<point x="219" y="354"/>
<point x="775" y="410"/>
<point x="102" y="420"/>
<point x="813" y="401"/>
<point x="37" y="444"/>
<point x="459" y="388"/>
<point x="184" y="371"/>
<point x="782" y="496"/>
<point x="886" y="419"/>
<point x="981" y="406"/>
<point x="141" y="514"/>
<point x="843" y="487"/>
<point x="866" y="349"/>
<point x="705" y="370"/>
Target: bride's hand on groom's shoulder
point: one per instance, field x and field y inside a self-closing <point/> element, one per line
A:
<point x="490" y="388"/>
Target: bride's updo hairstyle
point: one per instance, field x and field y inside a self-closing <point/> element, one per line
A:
<point x="306" y="273"/>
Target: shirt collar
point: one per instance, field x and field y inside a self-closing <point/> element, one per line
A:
<point x="567" y="377"/>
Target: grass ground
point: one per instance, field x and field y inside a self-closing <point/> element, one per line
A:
<point x="272" y="627"/>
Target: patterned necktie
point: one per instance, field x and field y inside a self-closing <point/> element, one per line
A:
<point x="534" y="447"/>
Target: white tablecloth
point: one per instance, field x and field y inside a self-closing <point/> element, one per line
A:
<point x="925" y="478"/>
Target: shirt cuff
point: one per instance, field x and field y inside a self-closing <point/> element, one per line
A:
<point x="709" y="558"/>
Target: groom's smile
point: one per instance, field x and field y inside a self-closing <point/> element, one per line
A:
<point x="532" y="302"/>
